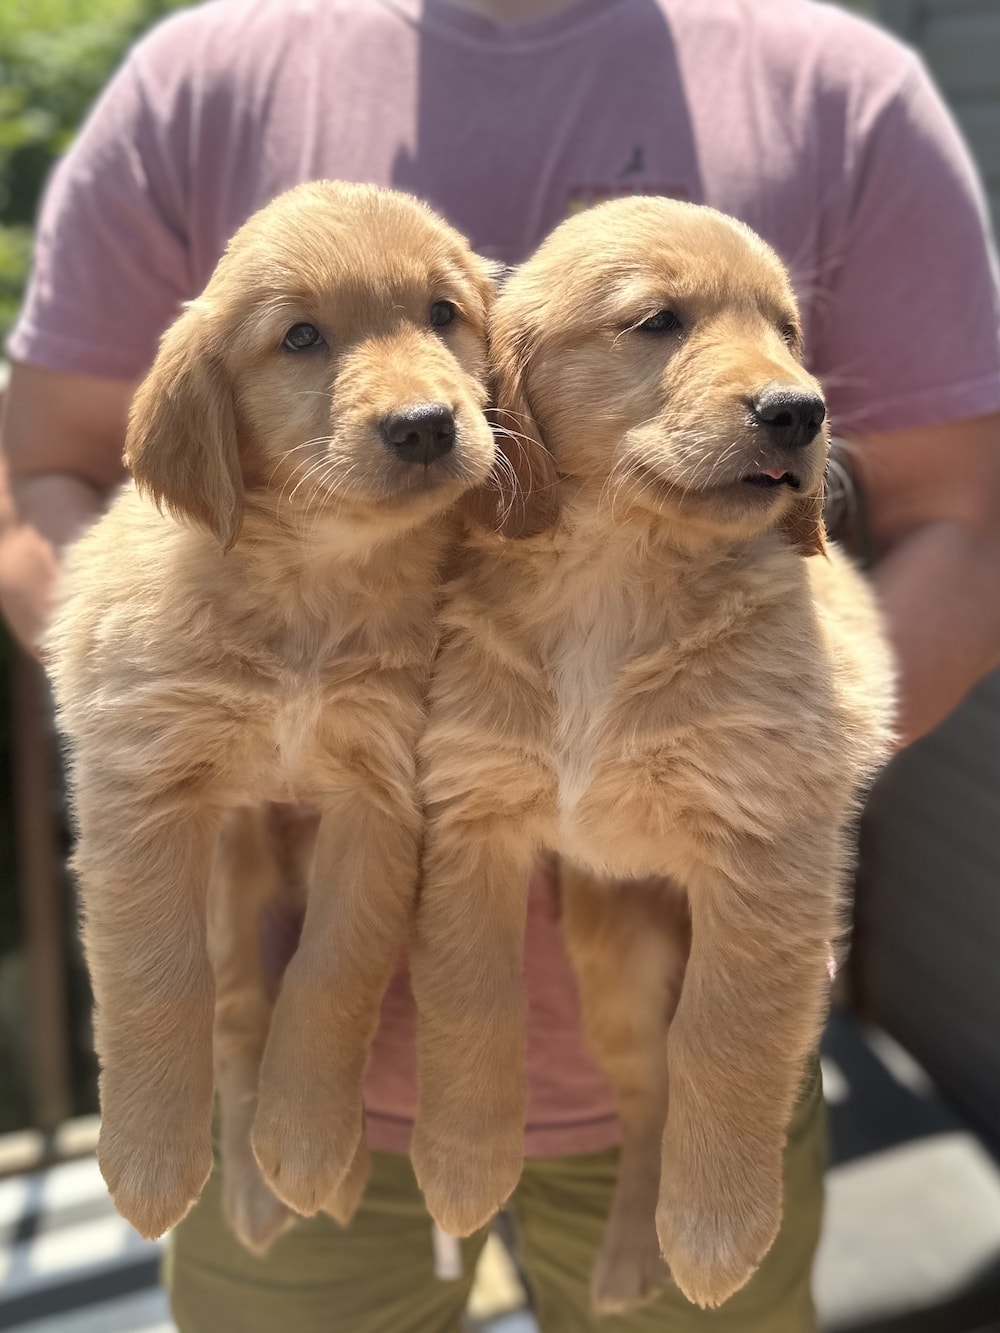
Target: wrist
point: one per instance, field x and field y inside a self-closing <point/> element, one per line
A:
<point x="42" y="515"/>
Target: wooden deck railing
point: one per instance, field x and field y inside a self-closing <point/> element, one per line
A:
<point x="40" y="891"/>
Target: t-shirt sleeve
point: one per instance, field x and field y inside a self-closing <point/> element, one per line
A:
<point x="111" y="258"/>
<point x="909" y="331"/>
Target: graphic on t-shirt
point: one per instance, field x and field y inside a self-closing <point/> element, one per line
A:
<point x="636" y="164"/>
<point x="628" y="179"/>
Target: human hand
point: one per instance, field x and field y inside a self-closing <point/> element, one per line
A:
<point x="38" y="518"/>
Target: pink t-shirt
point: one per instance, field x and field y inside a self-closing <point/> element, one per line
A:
<point x="815" y="128"/>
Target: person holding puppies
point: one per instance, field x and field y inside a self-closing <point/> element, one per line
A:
<point x="818" y="131"/>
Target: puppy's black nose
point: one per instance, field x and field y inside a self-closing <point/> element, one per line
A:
<point x="792" y="417"/>
<point x="421" y="433"/>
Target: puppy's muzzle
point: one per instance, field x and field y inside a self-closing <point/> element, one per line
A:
<point x="789" y="417"/>
<point x="419" y="434"/>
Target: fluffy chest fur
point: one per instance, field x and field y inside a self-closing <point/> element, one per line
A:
<point x="665" y="670"/>
<point x="611" y="605"/>
<point x="265" y="666"/>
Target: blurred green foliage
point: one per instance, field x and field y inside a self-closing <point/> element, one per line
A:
<point x="55" y="56"/>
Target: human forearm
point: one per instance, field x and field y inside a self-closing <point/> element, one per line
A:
<point x="933" y="505"/>
<point x="940" y="590"/>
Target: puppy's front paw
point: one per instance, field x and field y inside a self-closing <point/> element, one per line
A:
<point x="466" y="1183"/>
<point x="309" y="1118"/>
<point x="715" y="1227"/>
<point x="156" y="1177"/>
<point x="629" y="1271"/>
<point x="303" y="1154"/>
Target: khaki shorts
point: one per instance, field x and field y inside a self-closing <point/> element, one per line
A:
<point x="378" y="1275"/>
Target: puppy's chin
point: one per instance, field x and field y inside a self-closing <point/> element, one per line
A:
<point x="736" y="509"/>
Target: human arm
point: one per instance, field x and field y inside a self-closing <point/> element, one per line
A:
<point x="906" y="340"/>
<point x="111" y="268"/>
<point x="61" y="440"/>
<point x="933" y="500"/>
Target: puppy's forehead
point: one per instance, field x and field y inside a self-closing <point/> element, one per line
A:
<point x="328" y="237"/>
<point x="642" y="250"/>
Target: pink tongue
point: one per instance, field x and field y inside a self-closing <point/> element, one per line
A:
<point x="776" y="472"/>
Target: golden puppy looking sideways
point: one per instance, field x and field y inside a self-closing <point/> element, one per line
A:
<point x="266" y="637"/>
<point x="660" y="684"/>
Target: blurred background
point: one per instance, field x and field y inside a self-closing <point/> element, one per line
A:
<point x="912" y="1057"/>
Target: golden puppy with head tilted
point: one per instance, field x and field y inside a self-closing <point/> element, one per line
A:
<point x="253" y="622"/>
<point x="664" y="677"/>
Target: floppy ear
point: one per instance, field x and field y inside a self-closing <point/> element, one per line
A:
<point x="521" y="496"/>
<point x="803" y="525"/>
<point x="181" y="445"/>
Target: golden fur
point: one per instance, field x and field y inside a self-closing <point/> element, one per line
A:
<point x="657" y="685"/>
<point x="253" y="622"/>
<point x="259" y="884"/>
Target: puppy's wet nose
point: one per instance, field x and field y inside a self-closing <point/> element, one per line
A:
<point x="421" y="433"/>
<point x="792" y="417"/>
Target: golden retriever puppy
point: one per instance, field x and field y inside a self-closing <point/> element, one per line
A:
<point x="253" y="622"/>
<point x="670" y="694"/>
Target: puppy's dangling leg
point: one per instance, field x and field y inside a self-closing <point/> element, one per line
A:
<point x="143" y="873"/>
<point x="466" y="964"/>
<point x="628" y="943"/>
<point x="259" y="886"/>
<point x="750" y="1012"/>
<point x="309" y="1120"/>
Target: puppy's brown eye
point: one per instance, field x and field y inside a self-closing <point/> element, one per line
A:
<point x="442" y="313"/>
<point x="300" y="337"/>
<point x="664" y="321"/>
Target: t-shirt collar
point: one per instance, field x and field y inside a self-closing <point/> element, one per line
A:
<point x="445" y="16"/>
